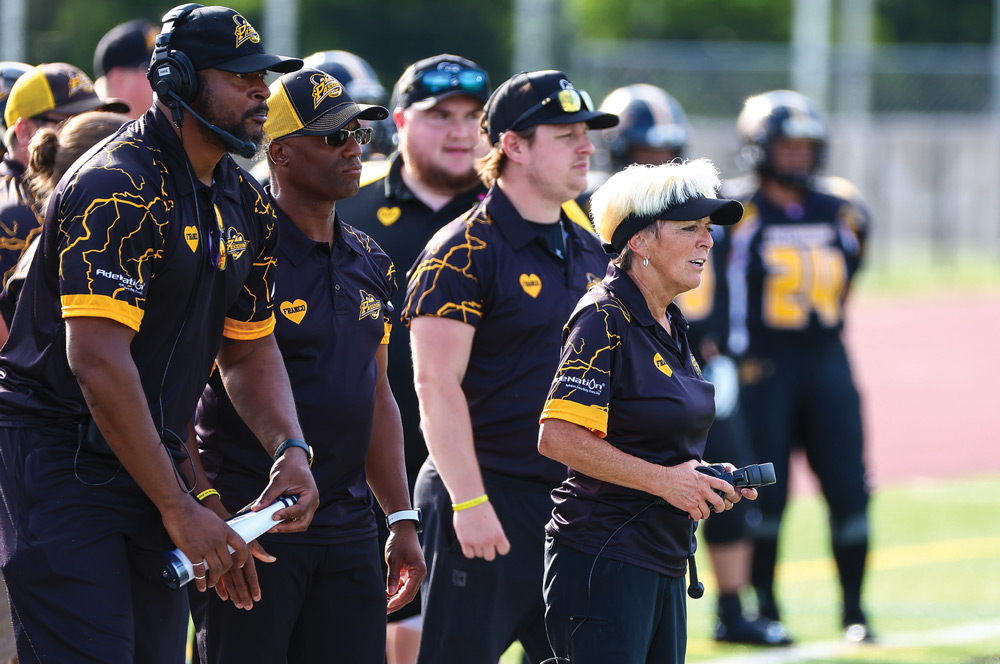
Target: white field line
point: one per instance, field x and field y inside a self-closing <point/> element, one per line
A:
<point x="958" y="634"/>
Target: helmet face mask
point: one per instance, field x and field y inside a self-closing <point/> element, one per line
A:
<point x="652" y="126"/>
<point x="781" y="114"/>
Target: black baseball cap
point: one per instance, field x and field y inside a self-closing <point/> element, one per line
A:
<point x="540" y="97"/>
<point x="220" y="38"/>
<point x="310" y="102"/>
<point x="128" y="44"/>
<point x="428" y="81"/>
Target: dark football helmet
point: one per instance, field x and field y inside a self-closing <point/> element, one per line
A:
<point x="364" y="87"/>
<point x="648" y="118"/>
<point x="780" y="114"/>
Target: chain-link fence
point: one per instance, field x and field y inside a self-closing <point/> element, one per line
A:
<point x="926" y="154"/>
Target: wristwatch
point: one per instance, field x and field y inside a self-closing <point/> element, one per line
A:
<point x="295" y="442"/>
<point x="405" y="515"/>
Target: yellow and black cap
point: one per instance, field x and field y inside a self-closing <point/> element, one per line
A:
<point x="540" y="97"/>
<point x="426" y="82"/>
<point x="58" y="87"/>
<point x="310" y="102"/>
<point x="220" y="38"/>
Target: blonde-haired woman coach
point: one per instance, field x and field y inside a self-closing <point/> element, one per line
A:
<point x="628" y="412"/>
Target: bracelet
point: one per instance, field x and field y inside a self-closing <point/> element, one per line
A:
<point x="458" y="507"/>
<point x="295" y="442"/>
<point x="205" y="494"/>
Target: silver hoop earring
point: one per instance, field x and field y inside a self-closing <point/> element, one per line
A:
<point x="645" y="261"/>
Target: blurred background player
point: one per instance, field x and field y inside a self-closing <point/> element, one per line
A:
<point x="43" y="96"/>
<point x="653" y="129"/>
<point x="10" y="71"/>
<point x="120" y="62"/>
<point x="437" y="105"/>
<point x="790" y="265"/>
<point x="364" y="87"/>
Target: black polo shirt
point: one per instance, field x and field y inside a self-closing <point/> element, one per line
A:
<point x="624" y="378"/>
<point x="491" y="270"/>
<point x="332" y="315"/>
<point x="126" y="237"/>
<point x="401" y="223"/>
<point x="18" y="222"/>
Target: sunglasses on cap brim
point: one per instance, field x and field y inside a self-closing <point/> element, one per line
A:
<point x="363" y="135"/>
<point x="571" y="101"/>
<point x="438" y="80"/>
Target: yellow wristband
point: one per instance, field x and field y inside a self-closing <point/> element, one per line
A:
<point x="206" y="493"/>
<point x="458" y="507"/>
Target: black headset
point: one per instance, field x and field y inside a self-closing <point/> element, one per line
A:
<point x="171" y="74"/>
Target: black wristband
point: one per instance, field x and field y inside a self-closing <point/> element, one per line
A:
<point x="295" y="442"/>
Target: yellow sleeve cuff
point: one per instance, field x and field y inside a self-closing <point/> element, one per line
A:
<point x="594" y="418"/>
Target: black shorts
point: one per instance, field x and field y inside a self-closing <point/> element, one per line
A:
<point x="319" y="602"/>
<point x="473" y="609"/>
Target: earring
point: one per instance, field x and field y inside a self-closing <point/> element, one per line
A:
<point x="645" y="261"/>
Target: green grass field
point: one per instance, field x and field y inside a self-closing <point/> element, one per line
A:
<point x="932" y="591"/>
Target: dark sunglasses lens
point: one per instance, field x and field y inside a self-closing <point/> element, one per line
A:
<point x="337" y="138"/>
<point x="363" y="136"/>
<point x="436" y="80"/>
<point x="472" y="80"/>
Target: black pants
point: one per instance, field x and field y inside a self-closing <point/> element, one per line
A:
<point x="79" y="546"/>
<point x="611" y="611"/>
<point x="473" y="609"/>
<point x="319" y="603"/>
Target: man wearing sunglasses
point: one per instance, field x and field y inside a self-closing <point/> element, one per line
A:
<point x="323" y="591"/>
<point x="44" y="96"/>
<point x="486" y="303"/>
<point x="438" y="103"/>
<point x="134" y="294"/>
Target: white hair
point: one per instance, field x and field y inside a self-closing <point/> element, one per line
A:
<point x="644" y="190"/>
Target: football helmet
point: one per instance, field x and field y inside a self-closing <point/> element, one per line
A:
<point x="648" y="118"/>
<point x="780" y="114"/>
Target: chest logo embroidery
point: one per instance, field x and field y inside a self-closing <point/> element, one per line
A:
<point x="294" y="311"/>
<point x="387" y="216"/>
<point x="236" y="244"/>
<point x="531" y="283"/>
<point x="370" y="306"/>
<point x="191" y="237"/>
<point x="662" y="365"/>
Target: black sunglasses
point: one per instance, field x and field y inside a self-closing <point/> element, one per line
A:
<point x="363" y="135"/>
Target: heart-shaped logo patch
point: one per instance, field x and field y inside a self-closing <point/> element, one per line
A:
<point x="662" y="365"/>
<point x="294" y="311"/>
<point x="531" y="283"/>
<point x="191" y="237"/>
<point x="387" y="216"/>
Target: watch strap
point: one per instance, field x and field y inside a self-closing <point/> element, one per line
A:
<point x="405" y="515"/>
<point x="294" y="442"/>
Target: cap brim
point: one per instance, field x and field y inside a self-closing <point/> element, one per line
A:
<point x="430" y="102"/>
<point x="722" y="211"/>
<point x="340" y="116"/>
<point x="112" y="105"/>
<point x="594" y="119"/>
<point x="260" y="62"/>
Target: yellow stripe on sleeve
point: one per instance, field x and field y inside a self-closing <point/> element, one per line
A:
<point x="101" y="306"/>
<point x="385" y="337"/>
<point x="242" y="331"/>
<point x="594" y="418"/>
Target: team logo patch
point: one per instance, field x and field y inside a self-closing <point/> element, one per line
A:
<point x="592" y="280"/>
<point x="324" y="86"/>
<point x="80" y="83"/>
<point x="244" y="31"/>
<point x="662" y="365"/>
<point x="236" y="244"/>
<point x="191" y="237"/>
<point x="387" y="216"/>
<point x="294" y="311"/>
<point x="370" y="306"/>
<point x="697" y="367"/>
<point x="531" y="283"/>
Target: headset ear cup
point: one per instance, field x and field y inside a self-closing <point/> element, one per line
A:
<point x="174" y="73"/>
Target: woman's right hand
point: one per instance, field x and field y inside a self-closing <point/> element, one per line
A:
<point x="693" y="492"/>
<point x="480" y="533"/>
